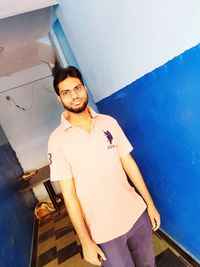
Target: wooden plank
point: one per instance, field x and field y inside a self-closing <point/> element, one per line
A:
<point x="41" y="176"/>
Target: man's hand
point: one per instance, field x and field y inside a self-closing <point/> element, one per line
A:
<point x="93" y="254"/>
<point x="154" y="217"/>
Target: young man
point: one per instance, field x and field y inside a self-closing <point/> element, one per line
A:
<point x="89" y="156"/>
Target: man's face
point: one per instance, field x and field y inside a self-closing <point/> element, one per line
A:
<point x="73" y="95"/>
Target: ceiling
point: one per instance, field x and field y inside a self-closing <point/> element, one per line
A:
<point x="14" y="7"/>
<point x="22" y="25"/>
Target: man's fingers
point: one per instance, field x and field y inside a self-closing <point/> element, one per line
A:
<point x="102" y="255"/>
<point x="152" y="221"/>
<point x="97" y="262"/>
<point x="155" y="223"/>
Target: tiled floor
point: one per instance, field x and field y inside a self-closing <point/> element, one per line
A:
<point x="58" y="245"/>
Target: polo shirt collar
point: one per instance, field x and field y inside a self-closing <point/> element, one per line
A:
<point x="66" y="124"/>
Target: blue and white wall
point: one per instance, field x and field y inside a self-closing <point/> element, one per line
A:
<point x="141" y="60"/>
<point x="115" y="44"/>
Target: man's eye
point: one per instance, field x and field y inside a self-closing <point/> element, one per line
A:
<point x="78" y="88"/>
<point x="66" y="93"/>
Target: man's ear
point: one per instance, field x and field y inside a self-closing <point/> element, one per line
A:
<point x="58" y="97"/>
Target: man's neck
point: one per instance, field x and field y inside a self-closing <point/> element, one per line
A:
<point x="82" y="120"/>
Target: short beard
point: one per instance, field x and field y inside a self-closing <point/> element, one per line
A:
<point x="78" y="110"/>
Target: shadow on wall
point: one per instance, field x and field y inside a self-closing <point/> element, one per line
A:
<point x="17" y="217"/>
<point x="160" y="115"/>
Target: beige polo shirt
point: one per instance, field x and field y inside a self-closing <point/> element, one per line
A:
<point x="110" y="205"/>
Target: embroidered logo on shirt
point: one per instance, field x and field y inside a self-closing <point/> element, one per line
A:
<point x="109" y="139"/>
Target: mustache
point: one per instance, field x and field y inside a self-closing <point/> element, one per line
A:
<point x="77" y="98"/>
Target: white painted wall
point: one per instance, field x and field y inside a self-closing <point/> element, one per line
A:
<point x="28" y="131"/>
<point x="117" y="42"/>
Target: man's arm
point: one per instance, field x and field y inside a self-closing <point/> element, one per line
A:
<point x="131" y="168"/>
<point x="92" y="253"/>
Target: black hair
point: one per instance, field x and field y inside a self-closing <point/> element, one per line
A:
<point x="60" y="74"/>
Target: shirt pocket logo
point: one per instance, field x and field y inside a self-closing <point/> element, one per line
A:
<point x="109" y="137"/>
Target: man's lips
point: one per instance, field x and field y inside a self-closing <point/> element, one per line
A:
<point x="76" y="102"/>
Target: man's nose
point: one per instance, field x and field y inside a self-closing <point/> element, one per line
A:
<point x="74" y="94"/>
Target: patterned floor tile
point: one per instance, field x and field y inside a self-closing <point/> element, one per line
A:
<point x="63" y="213"/>
<point x="65" y="240"/>
<point x="46" y="235"/>
<point x="159" y="245"/>
<point x="76" y="261"/>
<point x="45" y="227"/>
<point x="168" y="258"/>
<point x="53" y="263"/>
<point x="67" y="252"/>
<point x="64" y="231"/>
<point x="72" y="262"/>
<point x="46" y="245"/>
<point x="63" y="221"/>
<point x="47" y="257"/>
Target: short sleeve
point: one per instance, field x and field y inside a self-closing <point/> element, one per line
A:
<point x="123" y="145"/>
<point x="60" y="169"/>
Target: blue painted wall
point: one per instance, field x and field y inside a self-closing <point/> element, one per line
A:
<point x="160" y="114"/>
<point x="66" y="48"/>
<point x="16" y="213"/>
<point x="3" y="138"/>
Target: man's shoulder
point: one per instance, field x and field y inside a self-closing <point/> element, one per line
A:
<point x="107" y="120"/>
<point x="106" y="117"/>
<point x="55" y="134"/>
